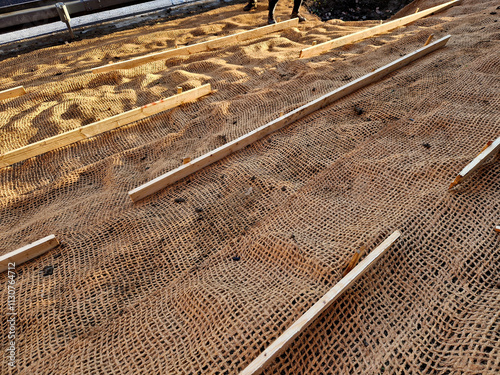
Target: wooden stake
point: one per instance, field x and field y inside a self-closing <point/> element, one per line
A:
<point x="354" y="260"/>
<point x="102" y="126"/>
<point x="162" y="181"/>
<point x="429" y="40"/>
<point x="199" y="47"/>
<point x="497" y="228"/>
<point x="179" y="90"/>
<point x="186" y="160"/>
<point x="490" y="149"/>
<point x="300" y="325"/>
<point x="12" y="93"/>
<point x="363" y="34"/>
<point x="28" y="252"/>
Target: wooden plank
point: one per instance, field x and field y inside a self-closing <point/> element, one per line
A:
<point x="28" y="252"/>
<point x="162" y="181"/>
<point x="490" y="149"/>
<point x="102" y="126"/>
<point x="379" y="29"/>
<point x="300" y="325"/>
<point x="199" y="47"/>
<point x="12" y="93"/>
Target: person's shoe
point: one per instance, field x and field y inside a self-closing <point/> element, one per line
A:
<point x="251" y="5"/>
<point x="297" y="15"/>
<point x="271" y="21"/>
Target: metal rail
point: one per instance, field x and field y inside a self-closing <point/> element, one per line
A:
<point x="22" y="18"/>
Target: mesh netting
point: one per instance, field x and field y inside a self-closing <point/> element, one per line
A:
<point x="204" y="285"/>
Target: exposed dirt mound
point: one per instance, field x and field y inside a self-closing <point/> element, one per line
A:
<point x="200" y="285"/>
<point x="355" y="10"/>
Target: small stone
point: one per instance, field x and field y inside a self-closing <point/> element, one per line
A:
<point x="179" y="200"/>
<point x="198" y="209"/>
<point x="48" y="270"/>
<point x="236" y="258"/>
<point x="283" y="188"/>
<point x="358" y="110"/>
<point x="426" y="145"/>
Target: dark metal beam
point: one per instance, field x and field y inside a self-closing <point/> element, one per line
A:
<point x="35" y="16"/>
<point x="26" y="5"/>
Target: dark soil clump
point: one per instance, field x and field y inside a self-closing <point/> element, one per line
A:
<point x="355" y="10"/>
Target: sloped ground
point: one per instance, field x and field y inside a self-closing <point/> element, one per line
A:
<point x="157" y="287"/>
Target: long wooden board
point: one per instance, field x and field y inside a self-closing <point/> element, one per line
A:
<point x="12" y="93"/>
<point x="199" y="47"/>
<point x="102" y="126"/>
<point x="28" y="252"/>
<point x="477" y="162"/>
<point x="299" y="326"/>
<point x="162" y="181"/>
<point x="379" y="29"/>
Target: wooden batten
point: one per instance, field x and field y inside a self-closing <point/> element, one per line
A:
<point x="367" y="33"/>
<point x="102" y="126"/>
<point x="175" y="175"/>
<point x="300" y="325"/>
<point x="199" y="47"/>
<point x="28" y="252"/>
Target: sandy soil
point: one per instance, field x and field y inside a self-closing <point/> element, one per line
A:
<point x="203" y="285"/>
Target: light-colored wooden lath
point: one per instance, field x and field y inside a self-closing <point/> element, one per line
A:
<point x="199" y="47"/>
<point x="379" y="29"/>
<point x="160" y="182"/>
<point x="28" y="252"/>
<point x="490" y="149"/>
<point x="300" y="325"/>
<point x="12" y="93"/>
<point x="102" y="126"/>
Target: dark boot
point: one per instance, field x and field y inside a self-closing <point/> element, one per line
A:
<point x="270" y="17"/>
<point x="251" y="5"/>
<point x="297" y="15"/>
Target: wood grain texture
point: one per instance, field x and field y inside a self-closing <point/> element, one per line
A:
<point x="12" y="93"/>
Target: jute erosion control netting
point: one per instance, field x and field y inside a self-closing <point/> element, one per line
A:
<point x="204" y="284"/>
